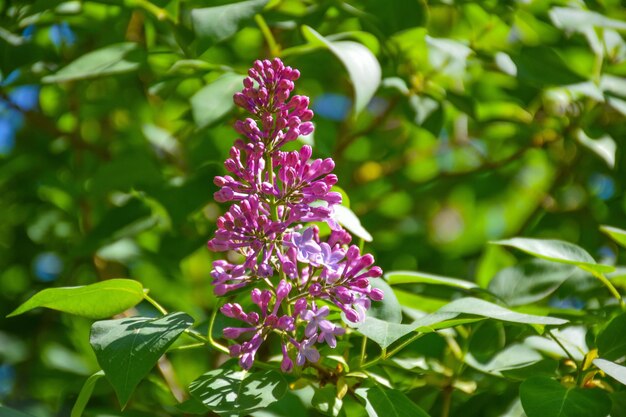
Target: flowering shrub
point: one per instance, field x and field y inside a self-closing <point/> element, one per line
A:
<point x="293" y="273"/>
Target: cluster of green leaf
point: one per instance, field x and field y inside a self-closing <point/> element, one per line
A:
<point x="452" y="124"/>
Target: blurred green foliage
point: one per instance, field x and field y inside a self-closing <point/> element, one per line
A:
<point x="489" y="119"/>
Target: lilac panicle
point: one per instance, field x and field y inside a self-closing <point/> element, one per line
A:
<point x="297" y="279"/>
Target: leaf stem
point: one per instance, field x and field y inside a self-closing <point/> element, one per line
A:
<point x="186" y="347"/>
<point x="212" y="341"/>
<point x="267" y="34"/>
<point x="386" y="355"/>
<point x="154" y="303"/>
<point x="609" y="285"/>
<point x="569" y="355"/>
<point x="363" y="346"/>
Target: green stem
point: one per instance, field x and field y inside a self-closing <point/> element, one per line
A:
<point x="363" y="346"/>
<point x="156" y="11"/>
<point x="212" y="341"/>
<point x="386" y="355"/>
<point x="569" y="355"/>
<point x="267" y="34"/>
<point x="191" y="346"/>
<point x="604" y="280"/>
<point x="154" y="303"/>
<point x="196" y="336"/>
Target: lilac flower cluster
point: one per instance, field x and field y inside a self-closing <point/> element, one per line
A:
<point x="296" y="277"/>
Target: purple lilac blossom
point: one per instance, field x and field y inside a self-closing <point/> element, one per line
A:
<point x="297" y="279"/>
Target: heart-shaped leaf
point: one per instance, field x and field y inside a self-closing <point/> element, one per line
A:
<point x="238" y="392"/>
<point x="127" y="349"/>
<point x="96" y="301"/>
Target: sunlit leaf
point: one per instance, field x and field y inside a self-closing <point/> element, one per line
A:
<point x="385" y="333"/>
<point x="214" y="101"/>
<point x="346" y="217"/>
<point x="618" y="235"/>
<point x="605" y="147"/>
<point x="113" y="59"/>
<point x="238" y="392"/>
<point x="214" y="24"/>
<point x="127" y="349"/>
<point x="556" y="251"/>
<point x="96" y="301"/>
<point x="389" y="308"/>
<point x="362" y="65"/>
<point x="416" y="277"/>
<point x="612" y="369"/>
<point x="326" y="402"/>
<point x="470" y="305"/>
<point x="577" y="19"/>
<point x="529" y="281"/>
<point x="545" y="397"/>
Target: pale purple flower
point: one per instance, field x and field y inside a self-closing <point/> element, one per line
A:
<point x="329" y="258"/>
<point x="328" y="331"/>
<point x="307" y="351"/>
<point x="313" y="319"/>
<point x="306" y="246"/>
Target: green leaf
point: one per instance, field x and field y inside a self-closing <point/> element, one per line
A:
<point x="604" y="147"/>
<point x="545" y="397"/>
<point x="512" y="357"/>
<point x="85" y="394"/>
<point x="346" y="217"/>
<point x="470" y="305"/>
<point x="128" y="349"/>
<point x="214" y="101"/>
<point x="113" y="59"/>
<point x="326" y="402"/>
<point x="385" y="333"/>
<point x="215" y="24"/>
<point x="542" y="66"/>
<point x="529" y="281"/>
<point x="611" y="341"/>
<point x="9" y="412"/>
<point x="556" y="251"/>
<point x="612" y="369"/>
<point x="96" y="301"/>
<point x="411" y="277"/>
<point x="616" y="234"/>
<point x="238" y="392"/>
<point x="362" y="65"/>
<point x="578" y="20"/>
<point x="389" y="308"/>
<point x="386" y="402"/>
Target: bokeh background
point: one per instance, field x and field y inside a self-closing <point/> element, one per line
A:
<point x="492" y="119"/>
